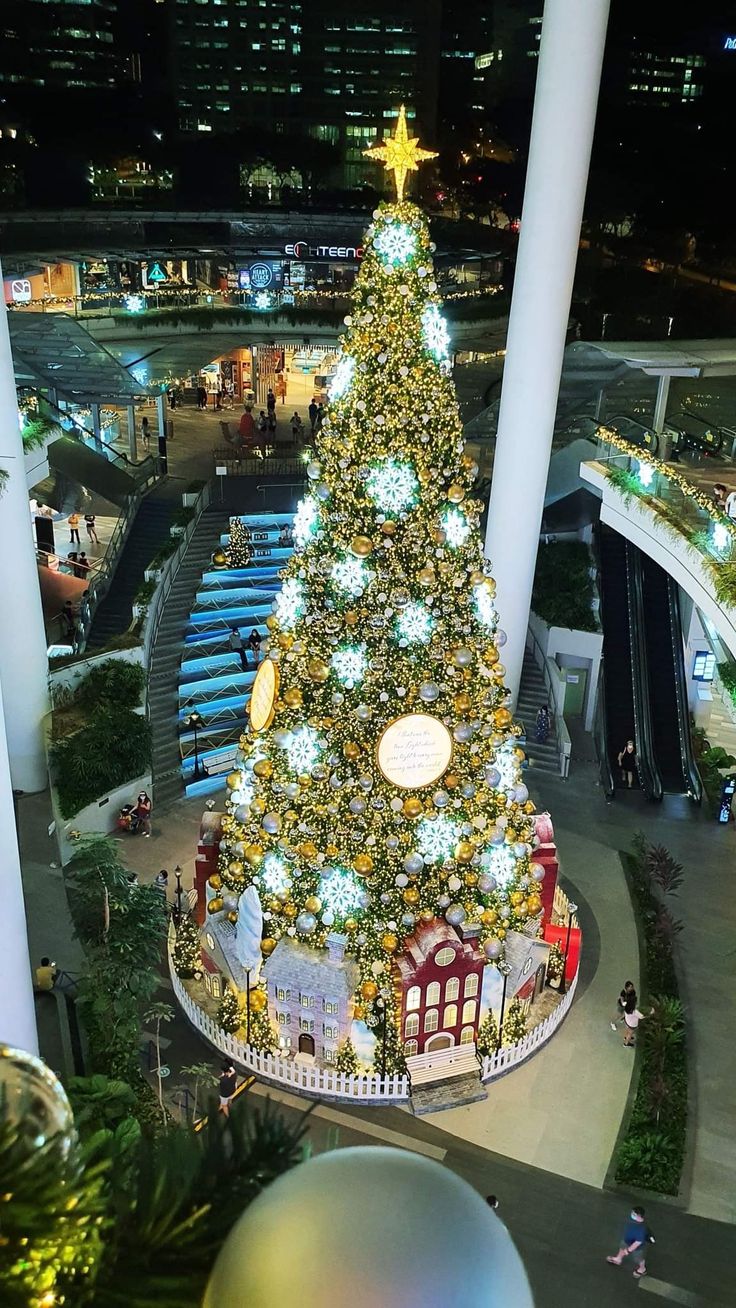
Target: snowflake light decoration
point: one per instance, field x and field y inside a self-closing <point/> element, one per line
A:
<point x="342" y="377"/>
<point x="306" y="521"/>
<point x="500" y="862"/>
<point x="243" y="792"/>
<point x="135" y="303"/>
<point x="507" y="764"/>
<point x="456" y="527"/>
<point x="349" y="664"/>
<point x="721" y="537"/>
<point x="392" y="486"/>
<point x="485" y="610"/>
<point x="436" y="335"/>
<point x="289" y="603"/>
<point x="262" y="300"/>
<point x="437" y="838"/>
<point x="275" y="874"/>
<point x="351" y="575"/>
<point x="395" y="243"/>
<point x="340" y="892"/>
<point x="414" y="623"/>
<point x="303" y="749"/>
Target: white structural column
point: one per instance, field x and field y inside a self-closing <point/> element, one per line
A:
<point x="568" y="78"/>
<point x="23" y="662"/>
<point x="17" y="1011"/>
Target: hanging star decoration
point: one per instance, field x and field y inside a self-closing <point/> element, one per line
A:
<point x="400" y="154"/>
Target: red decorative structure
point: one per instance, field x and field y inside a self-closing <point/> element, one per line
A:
<point x="205" y="864"/>
<point x="439" y="975"/>
<point x="546" y="856"/>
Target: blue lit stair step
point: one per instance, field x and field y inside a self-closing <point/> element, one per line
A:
<point x="213" y="664"/>
<point x="224" y="577"/>
<point x="236" y="683"/>
<point x="210" y="740"/>
<point x="227" y="709"/>
<point x="216" y="599"/>
<point x="217" y="640"/>
<point x="205" y="785"/>
<point x="264" y="521"/>
<point x="212" y="620"/>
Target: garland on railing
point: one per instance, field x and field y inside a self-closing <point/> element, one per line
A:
<point x="671" y="473"/>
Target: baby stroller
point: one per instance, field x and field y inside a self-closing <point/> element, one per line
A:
<point x="128" y="819"/>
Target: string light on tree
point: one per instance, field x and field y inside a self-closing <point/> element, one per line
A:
<point x="342" y="377"/>
<point x="456" y="527"/>
<point x="392" y="486"/>
<point x="306" y="521"/>
<point x="349" y="664"/>
<point x="485" y="609"/>
<point x="396" y="243"/>
<point x="414" y="623"/>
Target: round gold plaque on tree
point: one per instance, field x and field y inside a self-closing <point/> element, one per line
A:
<point x="414" y="751"/>
<point x="263" y="695"/>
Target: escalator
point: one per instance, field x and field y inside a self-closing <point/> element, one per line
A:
<point x="669" y="710"/>
<point x="625" y="693"/>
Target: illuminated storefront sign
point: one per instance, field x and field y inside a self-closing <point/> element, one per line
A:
<point x="730" y="43"/>
<point x="20" y="290"/>
<point x="303" y="250"/>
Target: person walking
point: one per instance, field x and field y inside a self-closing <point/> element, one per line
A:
<point x="89" y="522"/>
<point x="142" y="810"/>
<point x="541" y="729"/>
<point x="262" y="421"/>
<point x="627" y="762"/>
<point x="145" y="434"/>
<point x="218" y="398"/>
<point x="296" y="426"/>
<point x="636" y="1238"/>
<point x="235" y="642"/>
<point x="201" y="397"/>
<point x="627" y="999"/>
<point x="68" y="621"/>
<point x="271" y="420"/>
<point x="228" y="1086"/>
<point x="73" y="524"/>
<point x="632" y="1018"/>
<point x="320" y="417"/>
<point x="81" y="567"/>
<point x="270" y="401"/>
<point x="313" y="412"/>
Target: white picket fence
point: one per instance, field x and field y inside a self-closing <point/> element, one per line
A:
<point x="560" y="909"/>
<point x="509" y="1056"/>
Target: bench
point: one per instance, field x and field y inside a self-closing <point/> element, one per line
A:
<point x="439" y="1065"/>
<point x="223" y="761"/>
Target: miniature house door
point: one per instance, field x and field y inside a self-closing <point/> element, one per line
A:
<point x="306" y="1044"/>
<point x="443" y="1040"/>
<point x="539" y="980"/>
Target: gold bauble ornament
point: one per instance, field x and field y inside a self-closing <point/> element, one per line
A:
<point x="293" y="697"/>
<point x="351" y="618"/>
<point x="369" y="990"/>
<point x="312" y="904"/>
<point x="388" y="527"/>
<point x="389" y="942"/>
<point x="272" y="622"/>
<point x="464" y="851"/>
<point x="361" y="546"/>
<point x="516" y="897"/>
<point x="232" y="916"/>
<point x="463" y="703"/>
<point x="451" y="781"/>
<point x="426" y="915"/>
<point x="363" y="864"/>
<point x="267" y="946"/>
<point x="258" y="805"/>
<point x="285" y="640"/>
<point x="358" y="1011"/>
<point x="439" y="536"/>
<point x="258" y="1001"/>
<point x="308" y="849"/>
<point x="351" y="750"/>
<point x="477" y="578"/>
<point x="233" y="780"/>
<point x="318" y="669"/>
<point x="331" y="851"/>
<point x="489" y="916"/>
<point x="412" y="807"/>
<point x="502" y="717"/>
<point x="290" y="910"/>
<point x="456" y="493"/>
<point x="215" y="905"/>
<point x="411" y="895"/>
<point x="501" y="933"/>
<point x="534" y="904"/>
<point x="471" y="878"/>
<point x="351" y="924"/>
<point x="235" y="868"/>
<point x="253" y="854"/>
<point x="263" y="768"/>
<point x="216" y="879"/>
<point x="491" y="656"/>
<point x="426" y="576"/>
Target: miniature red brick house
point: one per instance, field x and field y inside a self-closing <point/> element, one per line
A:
<point x="439" y="978"/>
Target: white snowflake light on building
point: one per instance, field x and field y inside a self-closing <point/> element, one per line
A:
<point x="303" y="749"/>
<point x="500" y="862"/>
<point x="392" y="486"/>
<point x="340" y="892"/>
<point x="306" y="521"/>
<point x="436" y="335"/>
<point x="351" y="575"/>
<point x="646" y="474"/>
<point x="349" y="664"/>
<point x="485" y="610"/>
<point x="342" y="377"/>
<point x="134" y="303"/>
<point x="289" y="603"/>
<point x="414" y="623"/>
<point x="275" y="874"/>
<point x="395" y="243"/>
<point x="456" y="527"/>
<point x="721" y="537"/>
<point x="437" y="838"/>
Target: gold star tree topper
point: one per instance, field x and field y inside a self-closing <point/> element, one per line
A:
<point x="400" y="154"/>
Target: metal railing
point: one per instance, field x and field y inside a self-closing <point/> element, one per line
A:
<point x="168" y="576"/>
<point x="552" y="686"/>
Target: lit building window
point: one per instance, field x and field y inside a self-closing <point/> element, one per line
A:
<point x="411" y="1026"/>
<point x="469" y="1010"/>
<point x="413" y="997"/>
<point x="431" y="1020"/>
<point x="449" y="1017"/>
<point x="452" y="989"/>
<point x="471" y="984"/>
<point x="433" y="993"/>
<point x="467" y="1035"/>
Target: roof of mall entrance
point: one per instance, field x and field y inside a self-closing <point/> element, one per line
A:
<point x="52" y="349"/>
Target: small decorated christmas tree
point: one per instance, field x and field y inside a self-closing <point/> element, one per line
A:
<point x="186" y="953"/>
<point x="262" y="1033"/>
<point x="514" y="1023"/>
<point x="239" y="550"/>
<point x="229" y="1015"/>
<point x="487" y="1042"/>
<point x="555" y="963"/>
<point x="347" y="1059"/>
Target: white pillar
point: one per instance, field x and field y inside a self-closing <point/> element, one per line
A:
<point x="570" y="56"/>
<point x="660" y="405"/>
<point x="132" y="449"/>
<point x="17" y="1011"/>
<point x="23" y="662"/>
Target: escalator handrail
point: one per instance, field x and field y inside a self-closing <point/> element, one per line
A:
<point x="600" y="737"/>
<point x="690" y="772"/>
<point x="649" y="775"/>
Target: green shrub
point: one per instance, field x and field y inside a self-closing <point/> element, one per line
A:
<point x="144" y="593"/>
<point x="563" y="589"/>
<point x="727" y="673"/>
<point x="194" y="487"/>
<point x="112" y="748"/>
<point x="115" y="684"/>
<point x="182" y="516"/>
<point x="165" y="551"/>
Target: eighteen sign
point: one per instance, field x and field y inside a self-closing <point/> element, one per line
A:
<point x="302" y="250"/>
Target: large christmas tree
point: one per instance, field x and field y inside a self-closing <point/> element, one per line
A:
<point x="380" y="783"/>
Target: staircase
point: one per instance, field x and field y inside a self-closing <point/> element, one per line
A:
<point x="147" y="534"/>
<point x="532" y="695"/>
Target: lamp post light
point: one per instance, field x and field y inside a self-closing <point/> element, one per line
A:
<point x="381" y="1006"/>
<point x="247" y="1005"/>
<point x="178" y="875"/>
<point x="193" y="722"/>
<point x="571" y="911"/>
<point x="505" y="970"/>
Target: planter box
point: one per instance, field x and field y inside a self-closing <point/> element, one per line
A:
<point x="177" y="531"/>
<point x="153" y="574"/>
<point x="189" y="499"/>
<point x="100" y="816"/>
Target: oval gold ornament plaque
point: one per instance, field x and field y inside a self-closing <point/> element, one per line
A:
<point x="414" y="751"/>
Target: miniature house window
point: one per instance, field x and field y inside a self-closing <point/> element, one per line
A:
<point x="527" y="967"/>
<point x="330" y="1006"/>
<point x="330" y="1032"/>
<point x="306" y="1001"/>
<point x="469" y="1010"/>
<point x="433" y="992"/>
<point x="471" y="984"/>
<point x="216" y="987"/>
<point x="410" y="1048"/>
<point x="306" y="1024"/>
<point x="431" y="1020"/>
<point x="452" y="989"/>
<point x="282" y="1019"/>
<point x="444" y="957"/>
<point x="329" y="1055"/>
<point x="280" y="994"/>
<point x="210" y="940"/>
<point x="467" y="1036"/>
<point x="411" y="1026"/>
<point x="450" y="1016"/>
<point x="413" y="997"/>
